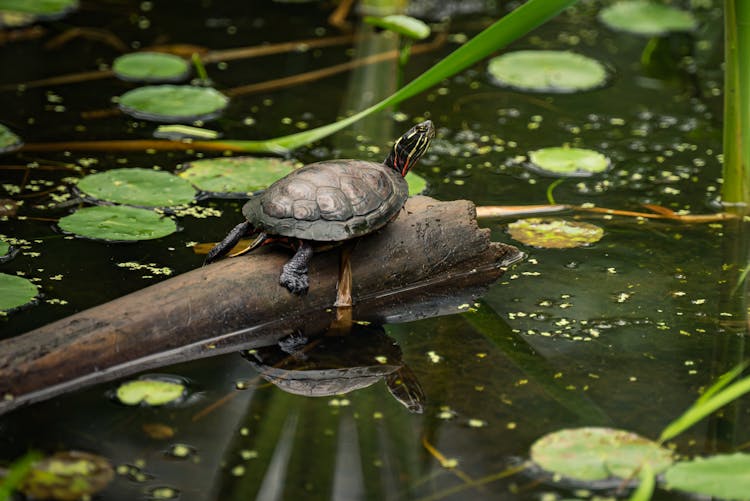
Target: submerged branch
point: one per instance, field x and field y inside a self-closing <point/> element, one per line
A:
<point x="490" y="211"/>
<point x="314" y="75"/>
<point x="210" y="57"/>
<point x="133" y="145"/>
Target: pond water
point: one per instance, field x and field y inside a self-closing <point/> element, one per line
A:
<point x="622" y="333"/>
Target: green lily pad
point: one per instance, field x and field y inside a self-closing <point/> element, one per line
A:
<point x="151" y="67"/>
<point x="725" y="476"/>
<point x="547" y="71"/>
<point x="15" y="291"/>
<point x="235" y="175"/>
<point x="417" y="184"/>
<point x="552" y="233"/>
<point x="44" y="9"/>
<point x="591" y="454"/>
<point x="173" y="103"/>
<point x="67" y="476"/>
<point x="642" y="17"/>
<point x="4" y="248"/>
<point x="568" y="162"/>
<point x="151" y="392"/>
<point x="177" y="132"/>
<point x="140" y="187"/>
<point x="8" y="140"/>
<point x="117" y="223"/>
<point x="403" y="25"/>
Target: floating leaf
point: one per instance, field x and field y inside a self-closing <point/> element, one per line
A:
<point x="8" y="140"/>
<point x="151" y="67"/>
<point x="725" y="476"/>
<point x="568" y="162"/>
<point x="235" y="175"/>
<point x="177" y="132"/>
<point x="66" y="476"/>
<point x="173" y="103"/>
<point x="15" y="291"/>
<point x="117" y="223"/>
<point x="551" y="233"/>
<point x="417" y="184"/>
<point x="592" y="453"/>
<point x="151" y="392"/>
<point x="403" y="25"/>
<point x="647" y="18"/>
<point x="4" y="248"/>
<point x="46" y="9"/>
<point x="141" y="187"/>
<point x="547" y="71"/>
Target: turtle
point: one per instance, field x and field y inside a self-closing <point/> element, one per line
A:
<point x="329" y="201"/>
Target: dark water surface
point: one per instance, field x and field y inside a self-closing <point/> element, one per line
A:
<point x="623" y="333"/>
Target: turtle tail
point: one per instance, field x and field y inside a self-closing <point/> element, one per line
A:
<point x="234" y="236"/>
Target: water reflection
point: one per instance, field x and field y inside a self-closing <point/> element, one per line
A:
<point x="332" y="364"/>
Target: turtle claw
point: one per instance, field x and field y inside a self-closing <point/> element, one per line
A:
<point x="296" y="282"/>
<point x="294" y="273"/>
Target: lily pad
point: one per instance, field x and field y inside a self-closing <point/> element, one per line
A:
<point x="547" y="71"/>
<point x="66" y="476"/>
<point x="235" y="175"/>
<point x="403" y="25"/>
<point x="177" y="132"/>
<point x="43" y="9"/>
<point x="15" y="291"/>
<point x="417" y="184"/>
<point x="140" y="187"/>
<point x="642" y="17"/>
<point x="150" y="392"/>
<point x="173" y="103"/>
<point x="592" y="454"/>
<point x="8" y="140"/>
<point x="568" y="162"/>
<point x="117" y="223"/>
<point x="725" y="476"/>
<point x="552" y="233"/>
<point x="151" y="67"/>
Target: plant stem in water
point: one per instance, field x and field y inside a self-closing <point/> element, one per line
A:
<point x="736" y="187"/>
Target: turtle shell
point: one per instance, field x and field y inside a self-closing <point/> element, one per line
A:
<point x="329" y="201"/>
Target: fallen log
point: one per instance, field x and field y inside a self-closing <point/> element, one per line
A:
<point x="432" y="250"/>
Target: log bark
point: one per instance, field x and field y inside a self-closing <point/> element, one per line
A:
<point x="430" y="252"/>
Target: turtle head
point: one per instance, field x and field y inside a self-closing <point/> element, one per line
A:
<point x="410" y="147"/>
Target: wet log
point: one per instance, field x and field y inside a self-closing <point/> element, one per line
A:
<point x="432" y="250"/>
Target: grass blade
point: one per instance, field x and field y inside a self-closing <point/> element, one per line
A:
<point x="704" y="407"/>
<point x="722" y="381"/>
<point x="646" y="488"/>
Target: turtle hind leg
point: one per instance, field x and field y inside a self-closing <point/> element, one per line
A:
<point x="294" y="273"/>
<point x="229" y="241"/>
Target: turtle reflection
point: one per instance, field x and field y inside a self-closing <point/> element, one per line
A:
<point x="333" y="365"/>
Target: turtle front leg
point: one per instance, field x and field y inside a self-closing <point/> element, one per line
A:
<point x="294" y="273"/>
<point x="229" y="241"/>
